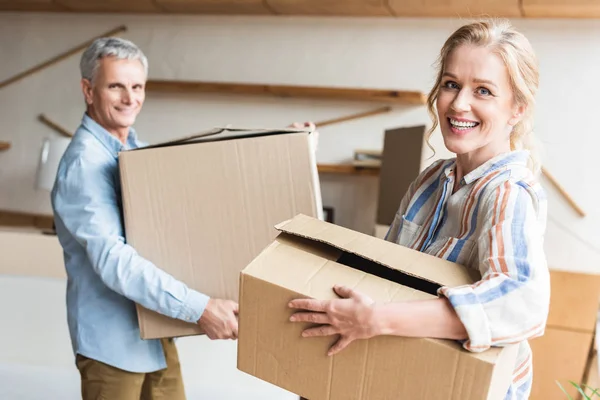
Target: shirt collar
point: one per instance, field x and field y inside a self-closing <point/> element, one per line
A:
<point x="516" y="158"/>
<point x="112" y="144"/>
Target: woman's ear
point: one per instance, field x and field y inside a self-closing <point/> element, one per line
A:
<point x="517" y="115"/>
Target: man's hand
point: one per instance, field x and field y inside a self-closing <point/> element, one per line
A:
<point x="220" y="319"/>
<point x="314" y="136"/>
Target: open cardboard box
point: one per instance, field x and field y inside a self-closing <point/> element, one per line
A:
<point x="307" y="259"/>
<point x="201" y="208"/>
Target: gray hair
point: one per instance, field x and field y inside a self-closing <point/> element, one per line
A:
<point x="106" y="47"/>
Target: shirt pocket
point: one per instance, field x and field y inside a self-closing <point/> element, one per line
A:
<point x="408" y="231"/>
<point x="456" y="250"/>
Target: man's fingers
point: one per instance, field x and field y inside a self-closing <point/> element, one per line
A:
<point x="325" y="330"/>
<point x="309" y="304"/>
<point x="314" y="317"/>
<point x="234" y="328"/>
<point x="340" y="345"/>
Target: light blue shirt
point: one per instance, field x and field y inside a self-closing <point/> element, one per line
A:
<point x="106" y="276"/>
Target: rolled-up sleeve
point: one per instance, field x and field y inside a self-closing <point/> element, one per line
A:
<point x="85" y="201"/>
<point x="510" y="302"/>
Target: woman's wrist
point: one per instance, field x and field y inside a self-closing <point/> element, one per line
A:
<point x="386" y="320"/>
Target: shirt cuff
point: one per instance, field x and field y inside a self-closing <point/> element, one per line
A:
<point x="193" y="307"/>
<point x="472" y="315"/>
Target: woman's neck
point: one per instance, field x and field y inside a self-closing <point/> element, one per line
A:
<point x="468" y="162"/>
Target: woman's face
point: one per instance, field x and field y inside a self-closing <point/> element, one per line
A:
<point x="475" y="104"/>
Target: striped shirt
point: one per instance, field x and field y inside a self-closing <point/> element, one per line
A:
<point x="493" y="223"/>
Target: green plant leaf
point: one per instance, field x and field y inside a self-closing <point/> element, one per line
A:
<point x="576" y="386"/>
<point x="564" y="391"/>
<point x="595" y="392"/>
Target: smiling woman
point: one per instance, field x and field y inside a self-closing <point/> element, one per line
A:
<point x="483" y="209"/>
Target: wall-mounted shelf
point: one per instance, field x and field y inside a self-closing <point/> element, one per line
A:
<point x="374" y="95"/>
<point x="23" y="219"/>
<point x="4" y="146"/>
<point x="347" y="169"/>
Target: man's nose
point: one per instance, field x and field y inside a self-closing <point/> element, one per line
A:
<point x="127" y="96"/>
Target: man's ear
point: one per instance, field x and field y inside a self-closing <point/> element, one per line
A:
<point x="87" y="89"/>
<point x="517" y="115"/>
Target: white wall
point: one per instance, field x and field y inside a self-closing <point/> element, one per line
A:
<point x="379" y="53"/>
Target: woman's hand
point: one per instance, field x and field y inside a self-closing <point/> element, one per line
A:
<point x="351" y="317"/>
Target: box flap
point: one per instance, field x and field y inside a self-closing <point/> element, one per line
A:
<point x="391" y="255"/>
<point x="225" y="133"/>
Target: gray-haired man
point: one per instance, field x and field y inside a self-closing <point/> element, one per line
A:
<point x="106" y="276"/>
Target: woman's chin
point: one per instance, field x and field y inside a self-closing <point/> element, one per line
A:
<point x="456" y="146"/>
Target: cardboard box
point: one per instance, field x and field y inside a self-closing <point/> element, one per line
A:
<point x="574" y="300"/>
<point x="203" y="207"/>
<point x="306" y="260"/>
<point x="560" y="355"/>
<point x="400" y="165"/>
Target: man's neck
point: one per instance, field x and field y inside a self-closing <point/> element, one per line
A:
<point x="121" y="134"/>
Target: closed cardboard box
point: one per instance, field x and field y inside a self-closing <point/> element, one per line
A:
<point x="202" y="208"/>
<point x="306" y="260"/>
<point x="574" y="300"/>
<point x="558" y="356"/>
<point x="562" y="353"/>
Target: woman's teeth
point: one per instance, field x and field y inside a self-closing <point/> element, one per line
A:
<point x="463" y="125"/>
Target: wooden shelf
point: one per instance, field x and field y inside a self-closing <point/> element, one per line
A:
<point x="22" y="219"/>
<point x="346" y="169"/>
<point x="4" y="146"/>
<point x="374" y="95"/>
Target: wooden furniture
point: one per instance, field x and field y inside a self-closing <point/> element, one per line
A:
<point x="4" y="146"/>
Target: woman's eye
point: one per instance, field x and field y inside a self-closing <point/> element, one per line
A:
<point x="451" y="85"/>
<point x="483" y="92"/>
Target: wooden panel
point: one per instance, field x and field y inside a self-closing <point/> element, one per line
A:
<point x="109" y="5"/>
<point x="456" y="8"/>
<point x="29" y="5"/>
<point x="560" y="355"/>
<point x="574" y="300"/>
<point x="561" y="8"/>
<point x="331" y="7"/>
<point x="20" y="219"/>
<point x="376" y="95"/>
<point x="215" y="6"/>
<point x="4" y="146"/>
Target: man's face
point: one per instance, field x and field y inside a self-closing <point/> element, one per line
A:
<point x="116" y="94"/>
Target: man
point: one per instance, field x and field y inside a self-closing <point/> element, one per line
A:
<point x="106" y="276"/>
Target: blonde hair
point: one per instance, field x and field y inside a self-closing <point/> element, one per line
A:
<point x="521" y="63"/>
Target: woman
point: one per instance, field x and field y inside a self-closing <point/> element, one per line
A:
<point x="483" y="209"/>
